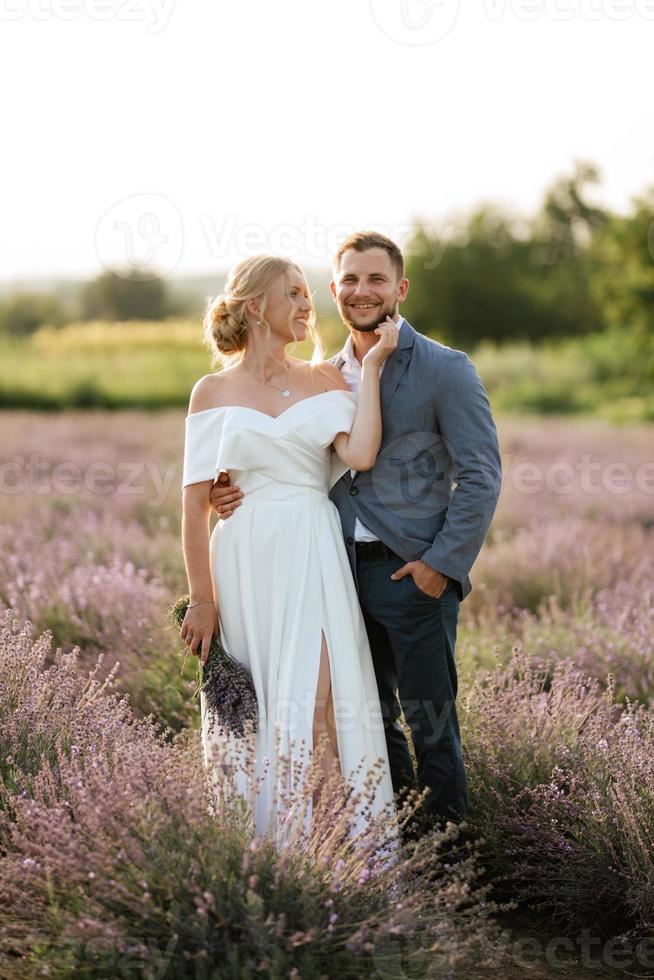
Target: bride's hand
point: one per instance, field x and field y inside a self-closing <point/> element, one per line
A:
<point x="197" y="630"/>
<point x="388" y="337"/>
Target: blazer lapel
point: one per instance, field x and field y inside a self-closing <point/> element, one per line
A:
<point x="394" y="368"/>
<point x="396" y="364"/>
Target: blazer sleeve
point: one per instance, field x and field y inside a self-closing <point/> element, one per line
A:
<point x="470" y="437"/>
<point x="202" y="439"/>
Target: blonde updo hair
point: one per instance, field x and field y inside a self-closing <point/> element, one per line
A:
<point x="225" y="326"/>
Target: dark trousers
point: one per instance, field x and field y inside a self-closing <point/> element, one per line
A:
<point x="412" y="638"/>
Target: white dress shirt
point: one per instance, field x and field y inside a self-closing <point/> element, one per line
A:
<point x="352" y="371"/>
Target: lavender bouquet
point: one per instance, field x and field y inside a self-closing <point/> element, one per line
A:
<point x="226" y="683"/>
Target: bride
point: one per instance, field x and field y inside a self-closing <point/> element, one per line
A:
<point x="274" y="581"/>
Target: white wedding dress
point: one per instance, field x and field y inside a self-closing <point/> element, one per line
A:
<point x="281" y="577"/>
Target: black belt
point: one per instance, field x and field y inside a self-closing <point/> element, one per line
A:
<point x="373" y="549"/>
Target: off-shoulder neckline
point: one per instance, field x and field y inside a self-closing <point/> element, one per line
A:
<point x="247" y="408"/>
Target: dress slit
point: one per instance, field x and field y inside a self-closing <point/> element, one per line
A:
<point x="326" y="695"/>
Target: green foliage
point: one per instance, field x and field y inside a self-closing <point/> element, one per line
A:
<point x="154" y="366"/>
<point x="501" y="279"/>
<point x="22" y="313"/>
<point x="608" y="373"/>
<point x="135" y="294"/>
<point x="623" y="259"/>
<point x="147" y="364"/>
<point x="556" y="312"/>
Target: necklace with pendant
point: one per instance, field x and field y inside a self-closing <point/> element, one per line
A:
<point x="285" y="392"/>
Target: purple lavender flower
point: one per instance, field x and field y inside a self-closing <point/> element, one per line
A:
<point x="226" y="684"/>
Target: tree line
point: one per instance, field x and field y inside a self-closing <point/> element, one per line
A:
<point x="572" y="269"/>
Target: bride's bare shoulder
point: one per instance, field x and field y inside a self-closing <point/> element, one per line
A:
<point x="327" y="377"/>
<point x="208" y="392"/>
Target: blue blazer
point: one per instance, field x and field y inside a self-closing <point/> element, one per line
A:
<point x="434" y="487"/>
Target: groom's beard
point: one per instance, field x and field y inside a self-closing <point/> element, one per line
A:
<point x="368" y="328"/>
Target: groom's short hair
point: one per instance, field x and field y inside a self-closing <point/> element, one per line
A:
<point x="361" y="241"/>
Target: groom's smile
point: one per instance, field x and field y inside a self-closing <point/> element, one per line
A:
<point x="366" y="287"/>
<point x="365" y="315"/>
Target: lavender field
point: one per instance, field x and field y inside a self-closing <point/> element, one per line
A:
<point x="113" y="864"/>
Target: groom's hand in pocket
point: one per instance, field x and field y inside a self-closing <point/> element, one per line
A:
<point x="223" y="497"/>
<point x="427" y="579"/>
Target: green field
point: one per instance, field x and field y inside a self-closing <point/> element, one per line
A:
<point x="154" y="365"/>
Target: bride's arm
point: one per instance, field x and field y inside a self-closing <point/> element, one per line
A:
<point x="358" y="448"/>
<point x="202" y="620"/>
<point x="196" y="510"/>
<point x="202" y="617"/>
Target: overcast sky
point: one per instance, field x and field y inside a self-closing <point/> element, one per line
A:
<point x="191" y="133"/>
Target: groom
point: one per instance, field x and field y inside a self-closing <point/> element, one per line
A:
<point x="415" y="523"/>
